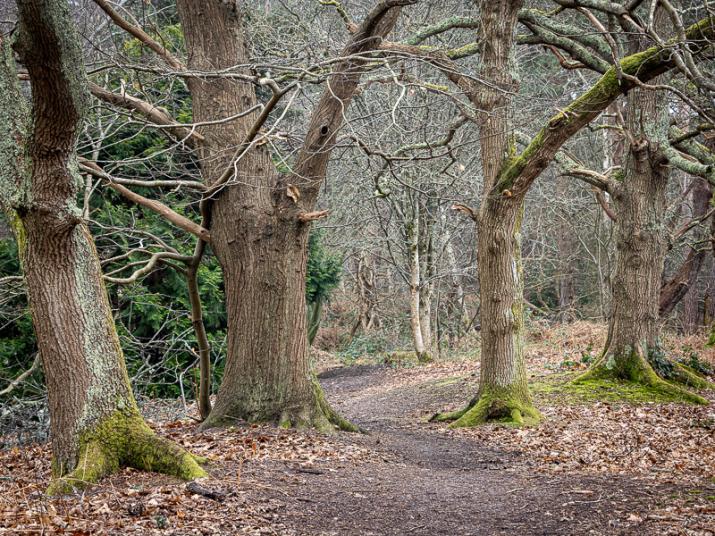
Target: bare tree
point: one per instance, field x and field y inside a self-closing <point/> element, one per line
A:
<point x="96" y="426"/>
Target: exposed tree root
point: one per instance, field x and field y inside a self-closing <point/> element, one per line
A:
<point x="333" y="417"/>
<point x="633" y="366"/>
<point x="507" y="405"/>
<point x="124" y="440"/>
<point x="313" y="413"/>
<point x="687" y="376"/>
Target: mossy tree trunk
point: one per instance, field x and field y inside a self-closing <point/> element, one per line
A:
<point x="260" y="217"/>
<point x="508" y="177"/>
<point x="96" y="426"/>
<point x="633" y="350"/>
<point x="639" y="200"/>
<point x="503" y="389"/>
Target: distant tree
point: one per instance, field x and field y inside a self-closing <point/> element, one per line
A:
<point x="323" y="275"/>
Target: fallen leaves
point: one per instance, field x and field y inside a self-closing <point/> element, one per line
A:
<point x="133" y="502"/>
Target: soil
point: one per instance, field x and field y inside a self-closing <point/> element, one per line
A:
<point x="403" y="476"/>
<point x="429" y="481"/>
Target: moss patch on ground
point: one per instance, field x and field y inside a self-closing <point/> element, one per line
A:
<point x="561" y="389"/>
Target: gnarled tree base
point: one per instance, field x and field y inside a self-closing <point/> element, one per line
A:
<point x="633" y="366"/>
<point x="504" y="405"/>
<point x="315" y="413"/>
<point x="124" y="440"/>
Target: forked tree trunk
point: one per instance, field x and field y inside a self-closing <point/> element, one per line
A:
<point x="503" y="388"/>
<point x="261" y="251"/>
<point x="96" y="426"/>
<point x="256" y="229"/>
<point x="641" y="245"/>
<point x="686" y="275"/>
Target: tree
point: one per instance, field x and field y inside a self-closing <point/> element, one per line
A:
<point x="260" y="217"/>
<point x="503" y="391"/>
<point x="633" y="351"/>
<point x="96" y="426"/>
<point x="323" y="275"/>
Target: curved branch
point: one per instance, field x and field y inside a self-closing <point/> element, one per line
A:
<point x="139" y="34"/>
<point x="177" y="219"/>
<point x="520" y="171"/>
<point x="148" y="110"/>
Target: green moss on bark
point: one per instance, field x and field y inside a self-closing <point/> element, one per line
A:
<point x="631" y="365"/>
<point x="505" y="405"/>
<point x="123" y="440"/>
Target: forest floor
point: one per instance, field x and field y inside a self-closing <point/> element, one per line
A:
<point x="592" y="467"/>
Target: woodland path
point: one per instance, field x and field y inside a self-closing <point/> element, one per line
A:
<point x="405" y="477"/>
<point x="430" y="482"/>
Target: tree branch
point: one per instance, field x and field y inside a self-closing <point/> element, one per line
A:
<point x="151" y="112"/>
<point x="520" y="171"/>
<point x="139" y="34"/>
<point x="177" y="219"/>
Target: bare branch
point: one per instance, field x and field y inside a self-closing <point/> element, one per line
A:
<point x="139" y="34"/>
<point x="177" y="219"/>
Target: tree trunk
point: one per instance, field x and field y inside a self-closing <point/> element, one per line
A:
<point x="686" y="275"/>
<point x="95" y="426"/>
<point x="566" y="247"/>
<point x="412" y="232"/>
<point x="427" y="272"/>
<point x="365" y="280"/>
<point x="257" y="232"/>
<point x="641" y="245"/>
<point x="503" y="388"/>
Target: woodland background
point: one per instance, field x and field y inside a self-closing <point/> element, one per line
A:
<point x="613" y="248"/>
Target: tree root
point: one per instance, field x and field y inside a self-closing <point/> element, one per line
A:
<point x="508" y="405"/>
<point x="124" y="440"/>
<point x="315" y="412"/>
<point x="321" y="416"/>
<point x="333" y="417"/>
<point x="684" y="375"/>
<point x="638" y="371"/>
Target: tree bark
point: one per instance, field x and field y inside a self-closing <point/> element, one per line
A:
<point x="256" y="229"/>
<point x="503" y="389"/>
<point x="365" y="282"/>
<point x="95" y="426"/>
<point x="413" y="233"/>
<point x="641" y="245"/>
<point x="427" y="272"/>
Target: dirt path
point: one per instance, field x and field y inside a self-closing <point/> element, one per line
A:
<point x="432" y="482"/>
<point x="405" y="476"/>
